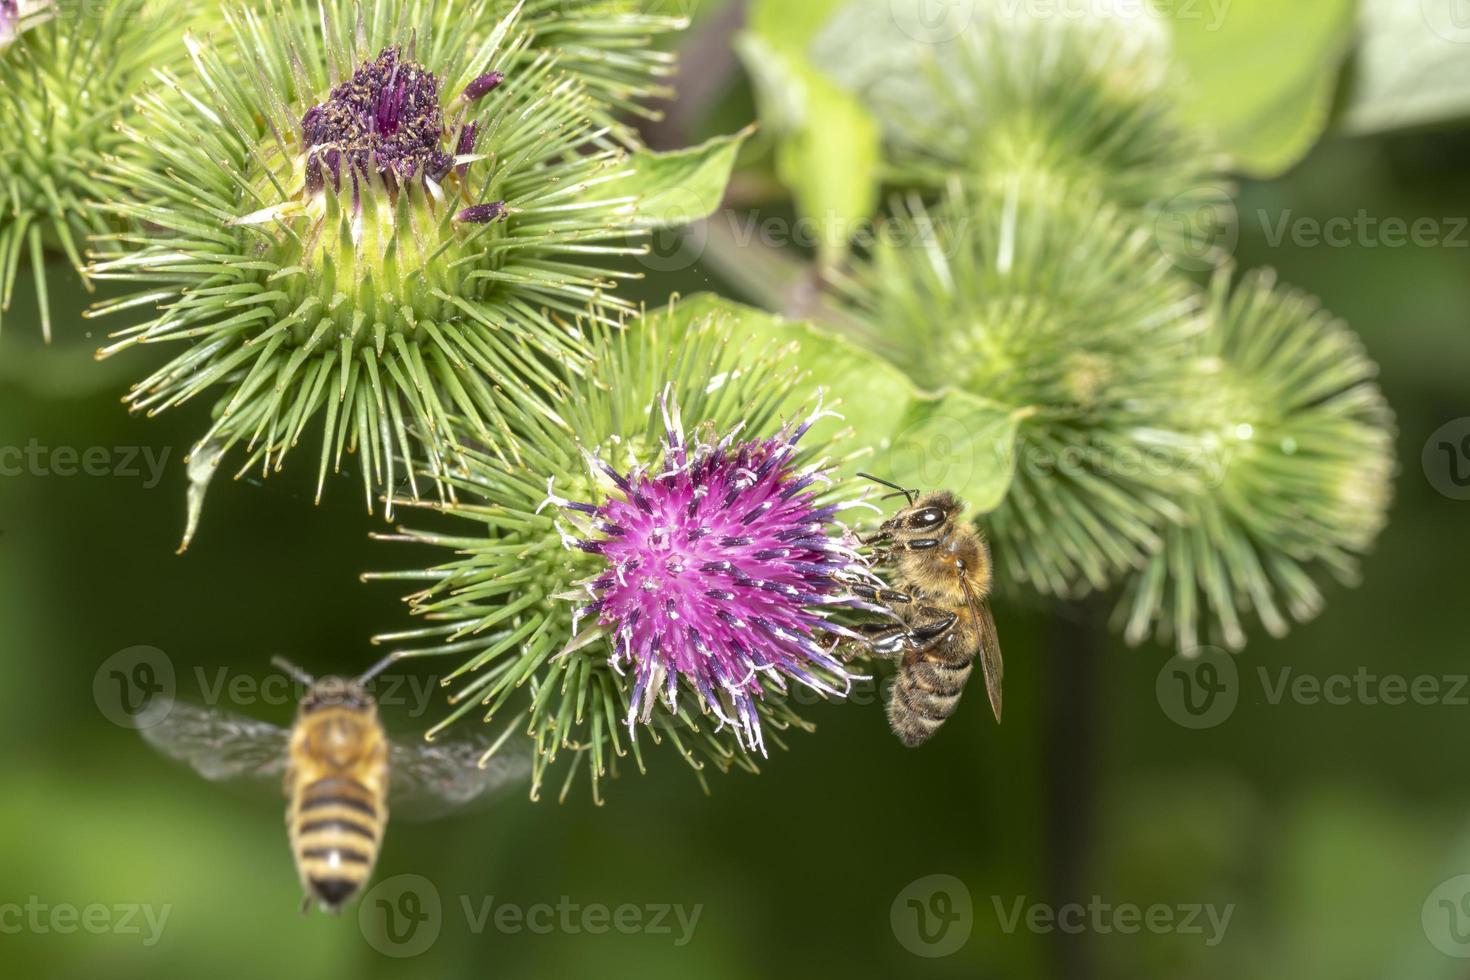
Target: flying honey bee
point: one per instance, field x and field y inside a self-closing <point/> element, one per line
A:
<point x="942" y="572"/>
<point x="338" y="767"/>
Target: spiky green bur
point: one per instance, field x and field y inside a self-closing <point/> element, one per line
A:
<point x="374" y="277"/>
<point x="1064" y="310"/>
<point x="1300" y="454"/>
<point x="1079" y="106"/>
<point x="611" y="45"/>
<point x="506" y="606"/>
<point x="68" y="74"/>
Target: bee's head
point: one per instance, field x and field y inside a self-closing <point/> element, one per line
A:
<point x="335" y="692"/>
<point x="925" y="515"/>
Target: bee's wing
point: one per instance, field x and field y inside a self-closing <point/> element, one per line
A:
<point x="991" y="664"/>
<point x="430" y="779"/>
<point x="219" y="745"/>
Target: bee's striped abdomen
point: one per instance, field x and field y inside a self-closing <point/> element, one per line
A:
<point x="925" y="693"/>
<point x="336" y="827"/>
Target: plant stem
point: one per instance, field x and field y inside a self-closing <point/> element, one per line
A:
<point x="1073" y="723"/>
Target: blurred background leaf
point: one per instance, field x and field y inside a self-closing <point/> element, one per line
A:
<point x="1412" y="66"/>
<point x="1262" y="75"/>
<point x="827" y="142"/>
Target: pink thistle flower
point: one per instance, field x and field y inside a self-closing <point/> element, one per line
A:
<point x="722" y="568"/>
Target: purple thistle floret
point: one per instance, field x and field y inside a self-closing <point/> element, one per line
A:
<point x="483" y="214"/>
<point x="720" y="568"/>
<point x="386" y="120"/>
<point x="9" y="14"/>
<point x="483" y="86"/>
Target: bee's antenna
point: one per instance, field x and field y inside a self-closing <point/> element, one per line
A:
<point x="378" y="668"/>
<point x="295" y="672"/>
<point x="889" y="483"/>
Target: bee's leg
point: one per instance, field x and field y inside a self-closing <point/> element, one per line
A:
<point x="883" y="639"/>
<point x="874" y="594"/>
<point x="892" y="639"/>
<point x="929" y="625"/>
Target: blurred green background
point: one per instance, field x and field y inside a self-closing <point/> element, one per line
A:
<point x="1324" y="828"/>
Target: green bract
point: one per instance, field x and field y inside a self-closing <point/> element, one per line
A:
<point x="320" y="257"/>
<point x="66" y="80"/>
<point x="504" y="604"/>
<point x="1298" y="444"/>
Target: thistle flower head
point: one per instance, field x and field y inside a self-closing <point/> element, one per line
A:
<point x="715" y="562"/>
<point x="68" y="74"/>
<point x="374" y="215"/>
<point x="1298" y="443"/>
<point x="1085" y="106"/>
<point x="643" y="580"/>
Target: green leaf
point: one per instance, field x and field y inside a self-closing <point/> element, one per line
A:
<point x="1412" y="67"/>
<point x="955" y="440"/>
<point x="1262" y="74"/>
<point x="959" y="442"/>
<point x="682" y="186"/>
<point x="830" y="145"/>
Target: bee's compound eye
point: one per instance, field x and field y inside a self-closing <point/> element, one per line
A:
<point x="928" y="517"/>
